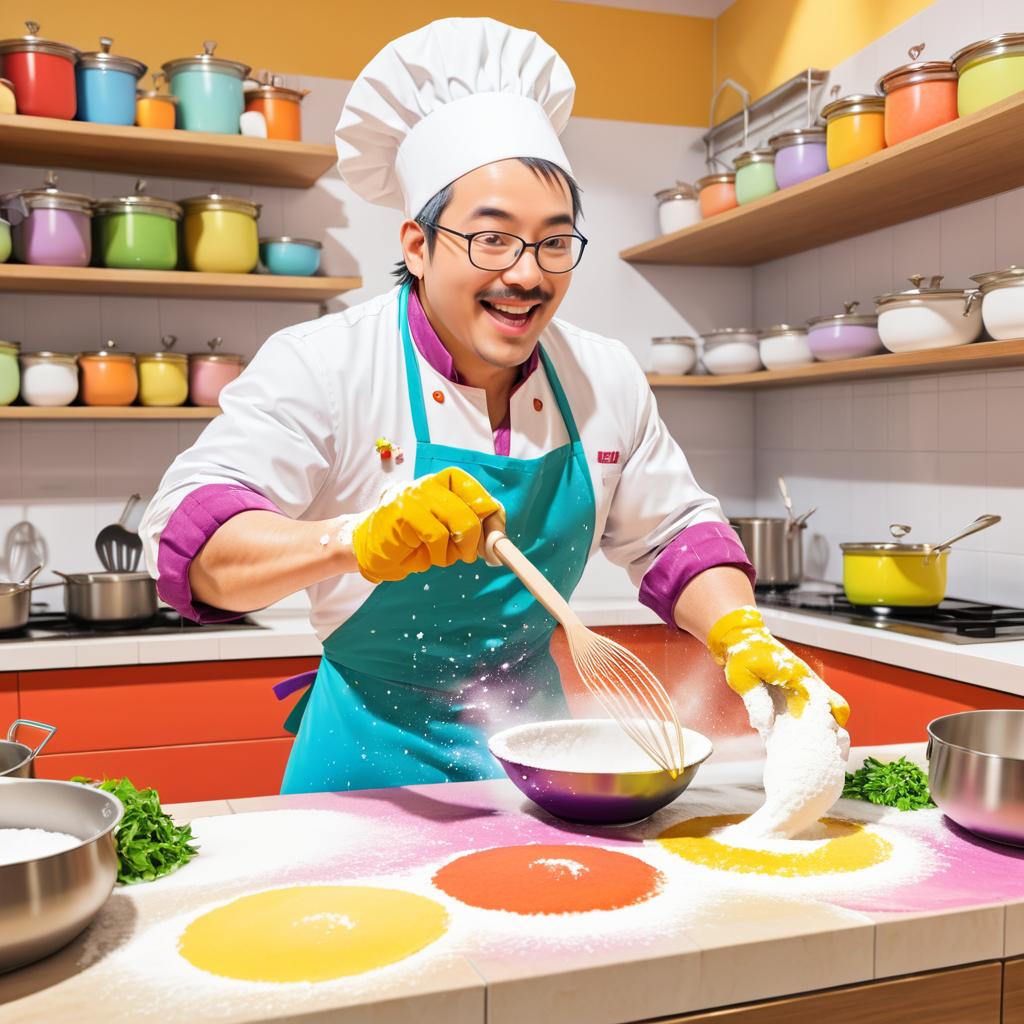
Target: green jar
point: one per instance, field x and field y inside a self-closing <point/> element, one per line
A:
<point x="10" y="374"/>
<point x="137" y="232"/>
<point x="755" y="175"/>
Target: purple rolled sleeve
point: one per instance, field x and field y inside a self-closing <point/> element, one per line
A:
<point x="695" y="549"/>
<point x="192" y="524"/>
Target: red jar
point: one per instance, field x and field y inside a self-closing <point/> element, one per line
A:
<point x="918" y="97"/>
<point x="42" y="72"/>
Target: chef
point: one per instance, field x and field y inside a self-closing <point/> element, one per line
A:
<point x="358" y="454"/>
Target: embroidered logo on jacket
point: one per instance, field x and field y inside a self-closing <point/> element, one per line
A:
<point x="608" y="458"/>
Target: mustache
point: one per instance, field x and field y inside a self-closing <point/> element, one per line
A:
<point x="533" y="295"/>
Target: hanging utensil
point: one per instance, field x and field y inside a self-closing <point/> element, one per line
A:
<point x="24" y="547"/>
<point x="120" y="550"/>
<point x="801" y="521"/>
<point x="786" y="499"/>
<point x="981" y="523"/>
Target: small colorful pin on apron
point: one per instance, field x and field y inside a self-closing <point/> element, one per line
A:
<point x="388" y="451"/>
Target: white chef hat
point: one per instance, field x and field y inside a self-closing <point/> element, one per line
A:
<point x="446" y="99"/>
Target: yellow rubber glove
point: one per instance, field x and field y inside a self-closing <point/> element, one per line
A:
<point x="751" y="655"/>
<point x="436" y="521"/>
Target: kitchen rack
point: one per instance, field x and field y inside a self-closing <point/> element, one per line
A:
<point x="106" y="412"/>
<point x="968" y="159"/>
<point x="981" y="355"/>
<point x="48" y="142"/>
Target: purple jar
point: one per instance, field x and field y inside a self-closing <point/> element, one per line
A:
<point x="50" y="227"/>
<point x="846" y="335"/>
<point x="799" y="155"/>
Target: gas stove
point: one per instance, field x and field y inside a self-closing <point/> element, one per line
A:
<point x="49" y="625"/>
<point x="953" y="621"/>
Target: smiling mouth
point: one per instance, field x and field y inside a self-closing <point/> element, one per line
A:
<point x="510" y="315"/>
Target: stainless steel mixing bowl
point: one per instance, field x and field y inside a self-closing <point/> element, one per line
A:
<point x="976" y="772"/>
<point x="46" y="902"/>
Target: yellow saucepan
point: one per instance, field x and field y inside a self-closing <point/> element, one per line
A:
<point x="902" y="575"/>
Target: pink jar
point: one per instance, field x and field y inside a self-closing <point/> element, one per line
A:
<point x="208" y="374"/>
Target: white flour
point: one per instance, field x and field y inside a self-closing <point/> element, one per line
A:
<point x="21" y="844"/>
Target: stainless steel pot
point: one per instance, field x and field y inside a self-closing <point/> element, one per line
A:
<point x="109" y="597"/>
<point x="18" y="760"/>
<point x="16" y="602"/>
<point x="46" y="902"/>
<point x="976" y="772"/>
<point x="776" y="547"/>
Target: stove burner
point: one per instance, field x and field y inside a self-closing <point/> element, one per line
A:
<point x="50" y="625"/>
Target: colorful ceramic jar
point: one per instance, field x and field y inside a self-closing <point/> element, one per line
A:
<point x="799" y="155"/>
<point x="209" y="374"/>
<point x="155" y="109"/>
<point x="1002" y="302"/>
<point x="10" y="375"/>
<point x="755" y="175"/>
<point x="854" y="128"/>
<point x="918" y="96"/>
<point x="42" y="73"/>
<point x="137" y="232"/>
<point x="163" y="376"/>
<point x="282" y="254"/>
<point x="5" y="240"/>
<point x="49" y="378"/>
<point x="220" y="234"/>
<point x="678" y="208"/>
<point x="281" y="107"/>
<point x="108" y="377"/>
<point x="106" y="85"/>
<point x="8" y="105"/>
<point x="209" y="90"/>
<point x="846" y="335"/>
<point x="716" y="193"/>
<point x="673" y="356"/>
<point x="784" y="346"/>
<point x="989" y="71"/>
<point x="927" y="316"/>
<point x="731" y="350"/>
<point x="50" y="227"/>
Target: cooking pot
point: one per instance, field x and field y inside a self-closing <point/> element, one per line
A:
<point x="50" y="227"/>
<point x="109" y="377"/>
<point x="209" y="91"/>
<point x="220" y="234"/>
<point x="5" y="240"/>
<point x="280" y="106"/>
<point x="106" y="85"/>
<point x="10" y="375"/>
<point x="163" y="376"/>
<point x="17" y="760"/>
<point x="918" y="96"/>
<point x="990" y="70"/>
<point x="1002" y="302"/>
<point x="16" y="602"/>
<point x="109" y="598"/>
<point x="137" y="232"/>
<point x="42" y="73"/>
<point x="775" y="546"/>
<point x="155" y="109"/>
<point x="927" y="316"/>
<point x="209" y="374"/>
<point x="846" y="335"/>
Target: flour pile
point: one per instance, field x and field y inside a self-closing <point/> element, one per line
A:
<point x="21" y="844"/>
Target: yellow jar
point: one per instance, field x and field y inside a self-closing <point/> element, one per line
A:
<point x="163" y="378"/>
<point x="854" y="128"/>
<point x="989" y="71"/>
<point x="221" y="234"/>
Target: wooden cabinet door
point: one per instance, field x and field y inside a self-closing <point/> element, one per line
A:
<point x="1013" y="991"/>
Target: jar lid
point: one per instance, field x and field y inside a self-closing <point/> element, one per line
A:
<point x="729" y="336"/>
<point x="109" y="353"/>
<point x="987" y="49"/>
<point x="729" y="330"/>
<point x="272" y="87"/>
<point x="139" y="201"/>
<point x="276" y="239"/>
<point x="857" y="103"/>
<point x="10" y="346"/>
<point x="215" y="201"/>
<point x="916" y="71"/>
<point x="68" y="358"/>
<point x="681" y="339"/>
<point x="103" y="58"/>
<point x="764" y="155"/>
<point x="177" y="358"/>
<point x="32" y="43"/>
<point x="885" y="547"/>
<point x="206" y="61"/>
<point x="920" y="292"/>
<point x="796" y="137"/>
<point x="781" y="330"/>
<point x="848" y="316"/>
<point x="1011" y="277"/>
<point x="214" y="356"/>
<point x="681" y="190"/>
<point x="49" y="197"/>
<point x="726" y="178"/>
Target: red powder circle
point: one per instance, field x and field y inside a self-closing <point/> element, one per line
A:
<point x="538" y="879"/>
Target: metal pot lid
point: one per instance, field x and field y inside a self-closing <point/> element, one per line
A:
<point x="215" y="201"/>
<point x="848" y="316"/>
<point x="729" y="336"/>
<point x="680" y="190"/>
<point x="886" y="548"/>
<point x="917" y="71"/>
<point x="1011" y="277"/>
<point x="155" y="93"/>
<point x="103" y="58"/>
<point x="110" y="353"/>
<point x="206" y="61"/>
<point x="278" y="239"/>
<point x="988" y="49"/>
<point x="728" y="330"/>
<point x="921" y="292"/>
<point x="681" y="339"/>
<point x="32" y="43"/>
<point x="49" y="357"/>
<point x="49" y="197"/>
<point x="857" y="103"/>
<point x="139" y="201"/>
<point x="765" y="155"/>
<point x="724" y="178"/>
<point x="796" y="137"/>
<point x="272" y="87"/>
<point x="10" y="346"/>
<point x="104" y="578"/>
<point x="783" y="330"/>
<point x="215" y="355"/>
<point x="175" y="358"/>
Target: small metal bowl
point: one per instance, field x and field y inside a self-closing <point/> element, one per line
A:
<point x="976" y="772"/>
<point x="46" y="902"/>
<point x="536" y="758"/>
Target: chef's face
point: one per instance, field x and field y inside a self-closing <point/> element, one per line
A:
<point x="495" y="316"/>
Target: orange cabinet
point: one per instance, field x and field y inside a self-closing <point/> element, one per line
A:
<point x="8" y="700"/>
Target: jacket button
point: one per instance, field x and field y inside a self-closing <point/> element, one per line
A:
<point x="538" y="404"/>
<point x="439" y="397"/>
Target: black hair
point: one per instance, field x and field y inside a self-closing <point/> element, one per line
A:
<point x="433" y="208"/>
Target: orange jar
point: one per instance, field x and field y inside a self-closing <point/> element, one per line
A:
<point x="153" y="108"/>
<point x="918" y="97"/>
<point x="716" y="193"/>
<point x="108" y="377"/>
<point x="854" y="128"/>
<point x="281" y="108"/>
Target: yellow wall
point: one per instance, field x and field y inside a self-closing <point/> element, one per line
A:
<point x="629" y="65"/>
<point x="761" y="43"/>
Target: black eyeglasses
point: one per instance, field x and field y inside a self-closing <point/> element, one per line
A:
<point x="498" y="250"/>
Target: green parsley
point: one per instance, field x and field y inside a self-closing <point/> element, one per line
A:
<point x="899" y="784"/>
<point x="149" y="844"/>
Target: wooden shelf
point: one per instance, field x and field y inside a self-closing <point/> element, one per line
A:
<point x="48" y="142"/>
<point x="982" y="355"/>
<point x="106" y="412"/>
<point x="968" y="159"/>
<point x="183" y="284"/>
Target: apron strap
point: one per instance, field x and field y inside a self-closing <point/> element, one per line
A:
<point x="563" y="402"/>
<point x="287" y="687"/>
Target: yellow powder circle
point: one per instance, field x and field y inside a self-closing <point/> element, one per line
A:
<point x="311" y="933"/>
<point x="849" y="848"/>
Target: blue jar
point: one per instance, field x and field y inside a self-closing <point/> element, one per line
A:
<point x="106" y="83"/>
<point x="295" y="257"/>
<point x="209" y="91"/>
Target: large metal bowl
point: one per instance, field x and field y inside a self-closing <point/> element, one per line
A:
<point x="976" y="772"/>
<point x="535" y="757"/>
<point x="45" y="903"/>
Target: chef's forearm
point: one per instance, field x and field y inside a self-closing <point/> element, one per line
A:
<point x="710" y="595"/>
<point x="257" y="558"/>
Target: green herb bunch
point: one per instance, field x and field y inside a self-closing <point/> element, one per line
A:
<point x="899" y="784"/>
<point x="149" y="844"/>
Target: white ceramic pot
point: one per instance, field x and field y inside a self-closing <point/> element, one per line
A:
<point x="930" y="317"/>
<point x="732" y="350"/>
<point x="1002" y="302"/>
<point x="678" y="208"/>
<point x="49" y="378"/>
<point x="672" y="356"/>
<point x="783" y="346"/>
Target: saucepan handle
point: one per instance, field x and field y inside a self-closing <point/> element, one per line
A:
<point x="48" y="729"/>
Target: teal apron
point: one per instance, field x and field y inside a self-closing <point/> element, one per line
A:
<point x="412" y="684"/>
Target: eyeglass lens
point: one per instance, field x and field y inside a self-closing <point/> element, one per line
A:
<point x="495" y="250"/>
